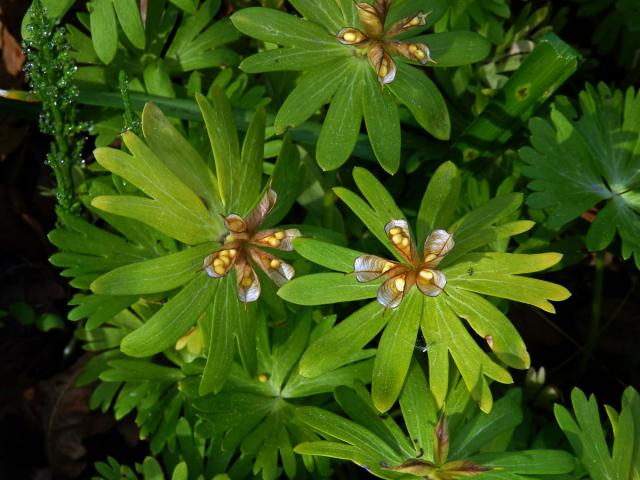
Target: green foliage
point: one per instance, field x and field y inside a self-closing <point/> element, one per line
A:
<point x="588" y="438"/>
<point x="52" y="75"/>
<point x="172" y="237"/>
<point x="578" y="160"/>
<point x="485" y="17"/>
<point x="150" y="55"/>
<point x="471" y="270"/>
<point x="539" y="75"/>
<point x="185" y="200"/>
<point x="256" y="415"/>
<point x="339" y="74"/>
<point x="454" y="444"/>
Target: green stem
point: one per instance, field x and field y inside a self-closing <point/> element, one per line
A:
<point x="550" y="64"/>
<point x="596" y="312"/>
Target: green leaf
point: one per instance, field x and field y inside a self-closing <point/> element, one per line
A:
<point x="139" y="371"/>
<point x="444" y="330"/>
<point x="298" y="386"/>
<point x="273" y="26"/>
<point x="222" y="317"/>
<point x="172" y="321"/>
<point x="104" y="29"/>
<point x="483" y="236"/>
<point x="419" y="409"/>
<point x="223" y="136"/>
<point x="494" y="274"/>
<point x="350" y="432"/>
<point x="248" y="175"/>
<point x="176" y="210"/>
<point x="374" y="222"/>
<point x="337" y="347"/>
<point x="423" y="99"/>
<point x="315" y="88"/>
<point x="453" y="49"/>
<point x="326" y="254"/>
<point x="395" y="351"/>
<point x="293" y="59"/>
<point x="327" y="288"/>
<point x="489" y="322"/>
<point x="528" y="462"/>
<point x="156" y="275"/>
<point x="188" y="6"/>
<point x="180" y="472"/>
<point x="505" y="416"/>
<point x="341" y="126"/>
<point x="327" y="14"/>
<point x="382" y="120"/>
<point x="286" y="354"/>
<point x="576" y="164"/>
<point x="439" y="201"/>
<point x="337" y="450"/>
<point x="285" y="181"/>
<point x="357" y="404"/>
<point x="588" y="438"/>
<point x="378" y="197"/>
<point x="128" y="13"/>
<point x="151" y="469"/>
<point x="404" y="8"/>
<point x="491" y="212"/>
<point x="180" y="157"/>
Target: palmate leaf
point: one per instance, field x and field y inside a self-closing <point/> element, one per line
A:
<point x="587" y="435"/>
<point x="380" y="445"/>
<point x="470" y="270"/>
<point x="577" y="161"/>
<point x="342" y="76"/>
<point x="256" y="414"/>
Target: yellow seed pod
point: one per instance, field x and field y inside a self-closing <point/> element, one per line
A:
<point x="426" y="274"/>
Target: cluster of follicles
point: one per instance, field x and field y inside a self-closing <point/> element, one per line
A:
<point x="218" y="263"/>
<point x="401" y="240"/>
<point x="273" y="241"/>
<point x="379" y="43"/>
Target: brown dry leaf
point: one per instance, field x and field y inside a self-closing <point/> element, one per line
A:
<point x="67" y="421"/>
<point x="12" y="55"/>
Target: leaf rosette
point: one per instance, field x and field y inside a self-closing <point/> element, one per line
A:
<point x="180" y="196"/>
<point x="346" y="51"/>
<point x="440" y="294"/>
